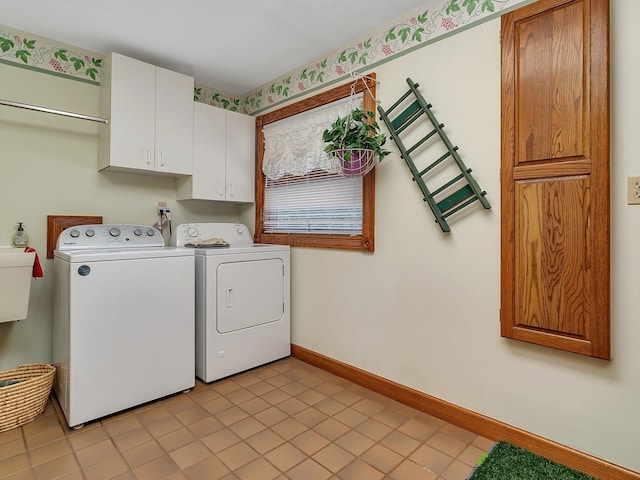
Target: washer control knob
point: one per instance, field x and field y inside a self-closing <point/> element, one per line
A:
<point x="192" y="232"/>
<point x="90" y="232"/>
<point x="137" y="232"/>
<point x="151" y="232"/>
<point x="239" y="231"/>
<point x="114" y="231"/>
<point x="74" y="233"/>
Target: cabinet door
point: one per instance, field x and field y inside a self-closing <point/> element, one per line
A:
<point x="241" y="155"/>
<point x="555" y="175"/>
<point x="209" y="138"/>
<point x="129" y="98"/>
<point x="173" y="122"/>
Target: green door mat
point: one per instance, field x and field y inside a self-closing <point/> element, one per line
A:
<point x="508" y="462"/>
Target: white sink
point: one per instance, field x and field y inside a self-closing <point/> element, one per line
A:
<point x="16" y="270"/>
<point x="15" y="257"/>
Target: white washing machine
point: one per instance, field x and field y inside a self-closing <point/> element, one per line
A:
<point x="242" y="299"/>
<point x="123" y="320"/>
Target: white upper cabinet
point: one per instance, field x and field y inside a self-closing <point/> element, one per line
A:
<point x="223" y="156"/>
<point x="150" y="112"/>
<point x="241" y="157"/>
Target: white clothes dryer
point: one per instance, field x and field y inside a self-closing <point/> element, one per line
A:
<point x="123" y="319"/>
<point x="242" y="299"/>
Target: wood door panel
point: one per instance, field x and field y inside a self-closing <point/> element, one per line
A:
<point x="555" y="176"/>
<point x="550" y="85"/>
<point x="552" y="268"/>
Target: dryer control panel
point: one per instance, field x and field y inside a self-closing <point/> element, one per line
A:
<point x="82" y="237"/>
<point x="235" y="234"/>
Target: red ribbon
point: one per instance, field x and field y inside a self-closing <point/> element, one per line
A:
<point x="37" y="268"/>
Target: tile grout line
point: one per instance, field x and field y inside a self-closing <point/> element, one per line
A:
<point x="292" y="392"/>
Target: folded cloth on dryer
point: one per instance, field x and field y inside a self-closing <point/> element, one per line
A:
<point x="214" y="242"/>
<point x="37" y="268"/>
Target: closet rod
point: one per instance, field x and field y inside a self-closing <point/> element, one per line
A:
<point x="51" y="110"/>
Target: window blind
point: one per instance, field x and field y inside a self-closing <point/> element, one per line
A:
<point x="303" y="193"/>
<point x="316" y="204"/>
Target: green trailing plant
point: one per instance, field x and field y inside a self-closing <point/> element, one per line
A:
<point x="358" y="130"/>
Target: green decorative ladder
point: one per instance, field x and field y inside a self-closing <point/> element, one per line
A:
<point x="456" y="201"/>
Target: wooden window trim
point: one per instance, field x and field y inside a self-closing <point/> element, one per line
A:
<point x="365" y="241"/>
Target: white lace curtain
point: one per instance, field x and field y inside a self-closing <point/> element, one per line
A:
<point x="294" y="145"/>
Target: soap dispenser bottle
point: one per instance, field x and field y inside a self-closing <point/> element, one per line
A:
<point x="20" y="238"/>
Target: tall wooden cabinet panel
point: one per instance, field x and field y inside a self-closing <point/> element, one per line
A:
<point x="223" y="156"/>
<point x="555" y="274"/>
<point x="150" y="111"/>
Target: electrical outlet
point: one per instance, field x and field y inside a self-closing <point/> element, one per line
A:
<point x="633" y="191"/>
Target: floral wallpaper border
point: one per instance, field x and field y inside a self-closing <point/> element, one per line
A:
<point x="37" y="53"/>
<point x="437" y="20"/>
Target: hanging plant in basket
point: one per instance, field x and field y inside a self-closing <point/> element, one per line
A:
<point x="356" y="141"/>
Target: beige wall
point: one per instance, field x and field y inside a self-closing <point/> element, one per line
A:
<point x="49" y="166"/>
<point x="423" y="310"/>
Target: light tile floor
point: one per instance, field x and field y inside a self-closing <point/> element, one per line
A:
<point x="284" y="420"/>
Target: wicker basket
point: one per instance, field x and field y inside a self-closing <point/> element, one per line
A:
<point x="22" y="402"/>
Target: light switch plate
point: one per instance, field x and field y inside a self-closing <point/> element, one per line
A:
<point x="633" y="191"/>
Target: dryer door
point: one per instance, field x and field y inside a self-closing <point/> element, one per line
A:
<point x="249" y="293"/>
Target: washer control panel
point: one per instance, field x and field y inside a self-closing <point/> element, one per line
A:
<point x="108" y="236"/>
<point x="235" y="234"/>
